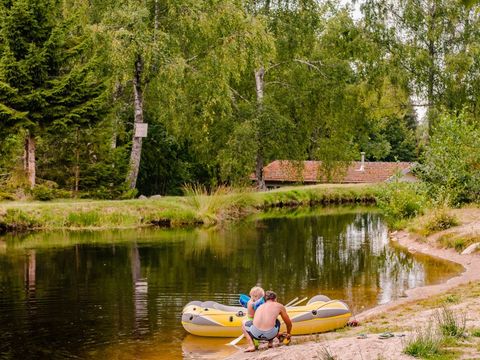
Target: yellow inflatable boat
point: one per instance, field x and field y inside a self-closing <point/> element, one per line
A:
<point x="210" y="318"/>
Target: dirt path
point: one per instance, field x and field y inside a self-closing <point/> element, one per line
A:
<point x="403" y="316"/>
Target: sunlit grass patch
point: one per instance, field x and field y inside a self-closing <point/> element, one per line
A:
<point x="457" y="242"/>
<point x="199" y="206"/>
<point x="377" y="329"/>
<point x="424" y="344"/>
<point x="451" y="299"/>
<point x="83" y="218"/>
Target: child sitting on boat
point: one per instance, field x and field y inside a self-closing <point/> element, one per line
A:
<point x="256" y="299"/>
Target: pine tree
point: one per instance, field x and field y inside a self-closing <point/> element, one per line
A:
<point x="48" y="73"/>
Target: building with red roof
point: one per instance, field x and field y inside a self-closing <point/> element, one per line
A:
<point x="288" y="172"/>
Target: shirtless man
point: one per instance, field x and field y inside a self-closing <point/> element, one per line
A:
<point x="265" y="325"/>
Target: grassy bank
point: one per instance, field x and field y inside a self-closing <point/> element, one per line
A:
<point x="195" y="209"/>
<point x="448" y="228"/>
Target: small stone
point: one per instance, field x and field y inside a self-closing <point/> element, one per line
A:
<point x="471" y="249"/>
<point x="142" y="197"/>
<point x="155" y="197"/>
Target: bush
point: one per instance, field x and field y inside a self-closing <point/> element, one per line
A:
<point x="400" y="201"/>
<point x="451" y="161"/>
<point x="43" y="193"/>
<point x="440" y="220"/>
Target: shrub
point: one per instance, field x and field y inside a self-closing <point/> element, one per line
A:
<point x="424" y="344"/>
<point x="449" y="323"/>
<point x="440" y="220"/>
<point x="451" y="160"/>
<point x="43" y="193"/>
<point x="401" y="201"/>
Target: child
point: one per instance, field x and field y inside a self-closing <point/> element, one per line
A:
<point x="256" y="299"/>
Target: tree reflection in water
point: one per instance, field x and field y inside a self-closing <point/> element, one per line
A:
<point x="120" y="293"/>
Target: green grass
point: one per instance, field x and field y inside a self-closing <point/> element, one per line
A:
<point x="438" y="219"/>
<point x="456" y="241"/>
<point x="197" y="207"/>
<point x="451" y="299"/>
<point x="325" y="354"/>
<point x="475" y="332"/>
<point x="425" y="344"/>
<point x="449" y="323"/>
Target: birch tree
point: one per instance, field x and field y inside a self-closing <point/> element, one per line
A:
<point x="435" y="42"/>
<point x="135" y="53"/>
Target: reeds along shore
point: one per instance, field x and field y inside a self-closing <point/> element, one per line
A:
<point x="196" y="208"/>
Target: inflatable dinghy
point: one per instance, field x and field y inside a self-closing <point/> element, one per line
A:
<point x="210" y="318"/>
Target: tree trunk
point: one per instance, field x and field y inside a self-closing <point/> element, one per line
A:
<point x="77" y="162"/>
<point x="30" y="159"/>
<point x="136" y="152"/>
<point x="116" y="95"/>
<point x="259" y="85"/>
<point x="431" y="70"/>
<point x="156" y="20"/>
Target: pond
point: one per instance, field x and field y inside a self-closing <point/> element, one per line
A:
<point x="119" y="294"/>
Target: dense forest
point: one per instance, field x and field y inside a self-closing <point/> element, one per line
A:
<point x="225" y="86"/>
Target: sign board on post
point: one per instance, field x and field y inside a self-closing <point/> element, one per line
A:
<point x="141" y="130"/>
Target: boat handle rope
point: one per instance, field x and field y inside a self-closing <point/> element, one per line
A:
<point x="314" y="312"/>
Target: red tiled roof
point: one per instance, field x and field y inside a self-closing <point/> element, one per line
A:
<point x="291" y="171"/>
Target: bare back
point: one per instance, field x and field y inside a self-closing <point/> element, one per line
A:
<point x="266" y="315"/>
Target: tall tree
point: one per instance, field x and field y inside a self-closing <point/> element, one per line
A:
<point x="133" y="28"/>
<point x="47" y="72"/>
<point x="214" y="48"/>
<point x="435" y="41"/>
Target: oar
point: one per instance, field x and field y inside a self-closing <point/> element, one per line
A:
<point x="298" y="302"/>
<point x="291" y="302"/>
<point x="237" y="340"/>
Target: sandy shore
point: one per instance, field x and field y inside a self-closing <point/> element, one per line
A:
<point x="402" y="316"/>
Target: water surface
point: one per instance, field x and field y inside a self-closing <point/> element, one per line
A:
<point x="119" y="294"/>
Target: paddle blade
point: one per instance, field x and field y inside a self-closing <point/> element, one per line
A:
<point x="236" y="341"/>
